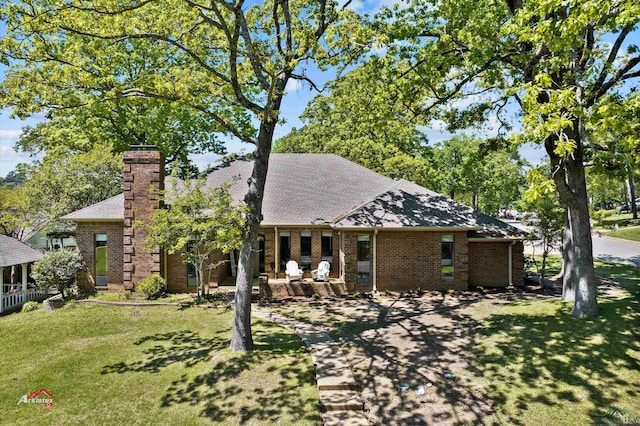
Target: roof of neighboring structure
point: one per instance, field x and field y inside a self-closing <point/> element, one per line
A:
<point x="109" y="209"/>
<point x="14" y="252"/>
<point x="325" y="189"/>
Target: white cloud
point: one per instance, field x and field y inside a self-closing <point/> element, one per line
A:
<point x="11" y="135"/>
<point x="293" y="86"/>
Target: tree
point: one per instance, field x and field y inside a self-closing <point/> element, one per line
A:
<point x="540" y="198"/>
<point x="58" y="185"/>
<point x="58" y="268"/>
<point x="477" y="174"/>
<point x="558" y="61"/>
<point x="368" y="121"/>
<point x="198" y="221"/>
<point x="14" y="212"/>
<point x="230" y="61"/>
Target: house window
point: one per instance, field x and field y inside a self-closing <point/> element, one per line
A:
<point x="285" y="249"/>
<point x="305" y="250"/>
<point x="446" y="261"/>
<point x="192" y="277"/>
<point x="102" y="261"/>
<point x="364" y="259"/>
<point x="327" y="246"/>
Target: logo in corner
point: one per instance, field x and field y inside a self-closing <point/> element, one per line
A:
<point x="42" y="396"/>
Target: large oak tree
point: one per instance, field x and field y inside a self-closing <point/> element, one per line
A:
<point x="228" y="60"/>
<point x="558" y="61"/>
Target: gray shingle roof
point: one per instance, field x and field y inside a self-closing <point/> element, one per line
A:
<point x="317" y="189"/>
<point x="109" y="209"/>
<point x="14" y="252"/>
<point x="407" y="205"/>
<point x="304" y="189"/>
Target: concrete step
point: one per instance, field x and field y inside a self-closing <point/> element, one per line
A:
<point x="338" y="379"/>
<point x="344" y="418"/>
<point x="340" y="400"/>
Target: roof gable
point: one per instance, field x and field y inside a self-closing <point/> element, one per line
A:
<point x="14" y="252"/>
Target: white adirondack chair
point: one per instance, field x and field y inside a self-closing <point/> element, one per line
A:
<point x="322" y="273"/>
<point x="292" y="272"/>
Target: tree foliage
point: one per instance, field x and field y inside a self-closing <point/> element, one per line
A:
<point x="228" y="61"/>
<point x="368" y="121"/>
<point x="198" y="221"/>
<point x="59" y="269"/>
<point x="558" y="61"/>
<point x="58" y="185"/>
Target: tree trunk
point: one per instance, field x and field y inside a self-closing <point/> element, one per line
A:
<point x="568" y="287"/>
<point x="241" y="338"/>
<point x="632" y="194"/>
<point x="579" y="274"/>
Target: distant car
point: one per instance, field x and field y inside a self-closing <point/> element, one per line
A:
<point x="627" y="209"/>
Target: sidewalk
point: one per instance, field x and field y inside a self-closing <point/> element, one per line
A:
<point x="339" y="399"/>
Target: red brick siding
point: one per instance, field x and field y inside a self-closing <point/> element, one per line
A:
<point x="143" y="179"/>
<point x="488" y="263"/>
<point x="407" y="260"/>
<point x="177" y="279"/>
<point x="316" y="248"/>
<point x="85" y="240"/>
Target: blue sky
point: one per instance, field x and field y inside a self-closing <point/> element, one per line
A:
<point x="298" y="95"/>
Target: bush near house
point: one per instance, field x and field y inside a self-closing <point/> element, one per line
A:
<point x="152" y="287"/>
<point x="58" y="269"/>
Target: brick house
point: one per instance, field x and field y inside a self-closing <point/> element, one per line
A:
<point x="377" y="233"/>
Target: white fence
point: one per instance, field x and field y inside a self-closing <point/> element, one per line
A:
<point x="12" y="298"/>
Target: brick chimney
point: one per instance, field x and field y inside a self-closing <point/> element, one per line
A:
<point x="143" y="179"/>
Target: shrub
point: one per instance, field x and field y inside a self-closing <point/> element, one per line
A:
<point x="58" y="269"/>
<point x="152" y="287"/>
<point x="30" y="306"/>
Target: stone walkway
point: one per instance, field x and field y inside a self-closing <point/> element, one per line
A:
<point x="339" y="398"/>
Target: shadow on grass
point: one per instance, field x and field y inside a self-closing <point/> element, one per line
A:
<point x="246" y="387"/>
<point x="529" y="353"/>
<point x="554" y="358"/>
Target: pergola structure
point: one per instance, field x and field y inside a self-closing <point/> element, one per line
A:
<point x="14" y="253"/>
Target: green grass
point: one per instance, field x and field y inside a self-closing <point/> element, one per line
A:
<point x="151" y="365"/>
<point x="524" y="360"/>
<point x="632" y="234"/>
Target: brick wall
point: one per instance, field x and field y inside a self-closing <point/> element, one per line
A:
<point x="316" y="248"/>
<point x="488" y="263"/>
<point x="143" y="179"/>
<point x="407" y="260"/>
<point x="85" y="240"/>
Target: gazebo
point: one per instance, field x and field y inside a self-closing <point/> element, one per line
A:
<point x="14" y="253"/>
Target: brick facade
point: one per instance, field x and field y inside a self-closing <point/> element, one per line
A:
<point x="408" y="260"/>
<point x="85" y="240"/>
<point x="269" y="234"/>
<point x="488" y="263"/>
<point x="143" y="179"/>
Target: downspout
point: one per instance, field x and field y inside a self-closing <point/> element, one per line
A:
<point x="511" y="263"/>
<point x="375" y="266"/>
<point x="1" y="286"/>
<point x="275" y="255"/>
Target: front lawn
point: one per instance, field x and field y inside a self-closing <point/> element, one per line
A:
<point x="151" y="365"/>
<point x="632" y="234"/>
<point x="508" y="358"/>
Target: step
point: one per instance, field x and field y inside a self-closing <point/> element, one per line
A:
<point x="340" y="400"/>
<point x="344" y="418"/>
<point x="338" y="379"/>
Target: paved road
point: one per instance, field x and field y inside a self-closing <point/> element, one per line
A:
<point x="604" y="248"/>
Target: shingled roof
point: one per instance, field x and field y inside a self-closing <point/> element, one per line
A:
<point x="325" y="189"/>
<point x="14" y="252"/>
<point x="111" y="209"/>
